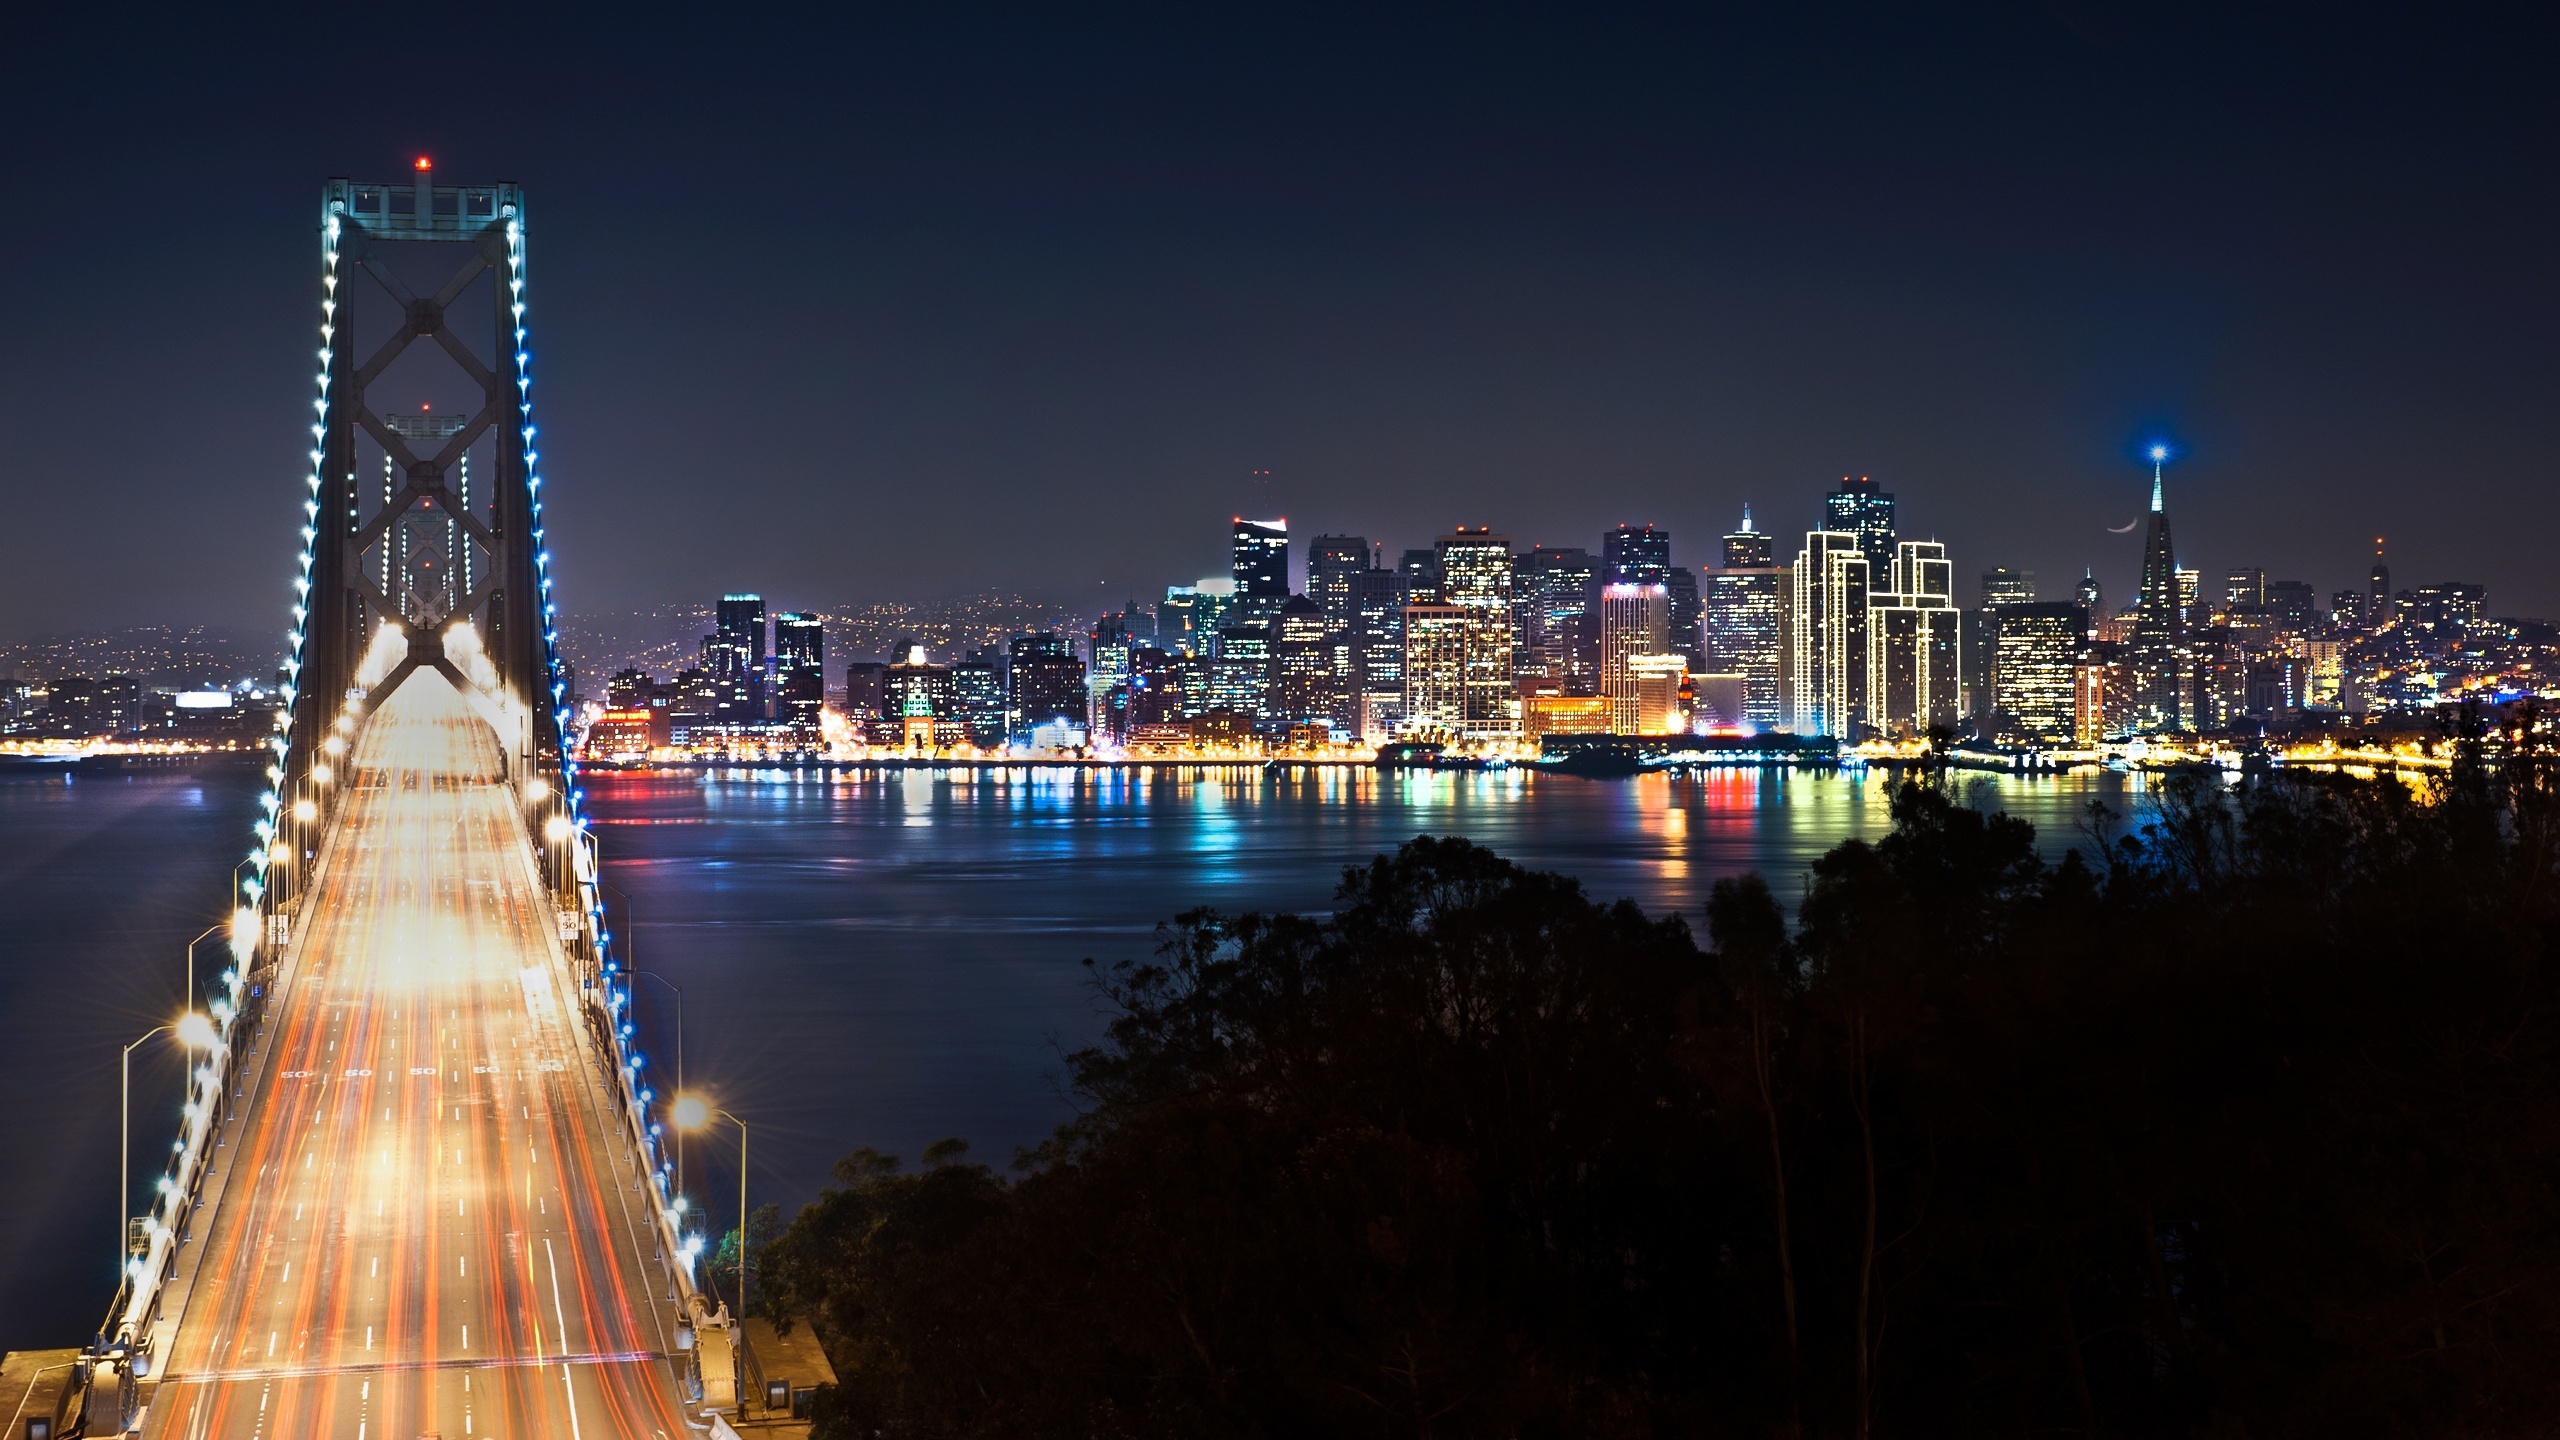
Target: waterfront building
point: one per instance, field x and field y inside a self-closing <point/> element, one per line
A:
<point x="1475" y="576"/>
<point x="1745" y="623"/>
<point x="1436" y="643"/>
<point x="1635" y="622"/>
<point x="1331" y="562"/>
<point x="1377" y="633"/>
<point x="1310" y="671"/>
<point x="1240" y="669"/>
<point x="1044" y="685"/>
<point x="978" y="701"/>
<point x="1862" y="508"/>
<point x="1915" y="648"/>
<point x="800" y="668"/>
<point x="2037" y="687"/>
<point x="1827" y="661"/>
<point x="1546" y="714"/>
<point x="922" y="701"/>
<point x="1657" y="681"/>
<point x="1551" y="601"/>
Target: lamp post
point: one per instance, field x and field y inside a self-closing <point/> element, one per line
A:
<point x="678" y="991"/>
<point x="196" y="1033"/>
<point x="191" y="961"/>
<point x="694" y="1113"/>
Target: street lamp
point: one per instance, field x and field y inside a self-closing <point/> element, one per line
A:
<point x="679" y="994"/>
<point x="191" y="959"/>
<point x="196" y="1033"/>
<point x="692" y="1112"/>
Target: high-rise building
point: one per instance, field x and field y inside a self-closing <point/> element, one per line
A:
<point x="2037" y="697"/>
<point x="2155" y="651"/>
<point x="1635" y="623"/>
<point x="1657" y="680"/>
<point x="1915" y="679"/>
<point x="1827" y="649"/>
<point x="2292" y="607"/>
<point x="1747" y="548"/>
<point x="1438" y="641"/>
<point x="922" y="701"/>
<point x="1864" y="509"/>
<point x="800" y="668"/>
<point x="1688" y="616"/>
<point x="2091" y="597"/>
<point x="1261" y="560"/>
<point x="2000" y="586"/>
<point x="1310" y="674"/>
<point x="1745" y="623"/>
<point x="1377" y="632"/>
<point x="1044" y="685"/>
<point x="1421" y="572"/>
<point x="977" y="693"/>
<point x="1107" y="647"/>
<point x="2244" y="588"/>
<point x="1240" y="670"/>
<point x="1635" y="555"/>
<point x="1331" y="562"/>
<point x="1475" y="576"/>
<point x="2378" y="610"/>
<point x="1551" y="598"/>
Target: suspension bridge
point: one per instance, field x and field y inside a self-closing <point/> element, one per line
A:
<point x="420" y="1185"/>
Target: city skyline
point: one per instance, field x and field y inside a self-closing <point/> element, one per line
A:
<point x="1102" y="277"/>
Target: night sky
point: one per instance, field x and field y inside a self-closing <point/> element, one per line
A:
<point x="845" y="309"/>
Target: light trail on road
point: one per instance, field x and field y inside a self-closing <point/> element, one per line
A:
<point x="427" y="1226"/>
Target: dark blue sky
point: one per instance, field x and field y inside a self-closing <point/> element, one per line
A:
<point x="863" y="307"/>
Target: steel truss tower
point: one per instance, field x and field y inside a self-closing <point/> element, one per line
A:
<point x="467" y="232"/>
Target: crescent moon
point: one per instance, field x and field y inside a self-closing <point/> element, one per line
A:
<point x="2124" y="529"/>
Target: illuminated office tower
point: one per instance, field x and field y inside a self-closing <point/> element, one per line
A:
<point x="1240" y="669"/>
<point x="800" y="666"/>
<point x="1377" y="631"/>
<point x="1261" y="566"/>
<point x="2156" y="652"/>
<point x="1635" y="555"/>
<point x="2038" y="682"/>
<point x="1656" y="681"/>
<point x="1421" y="572"/>
<point x="1864" y="509"/>
<point x="1915" y="669"/>
<point x="1044" y="685"/>
<point x="1475" y="576"/>
<point x="2244" y="589"/>
<point x="2091" y="597"/>
<point x="1688" y="615"/>
<point x="1310" y="675"/>
<point x="1437" y="639"/>
<point x="2190" y="592"/>
<point x="1745" y="623"/>
<point x="1331" y="562"/>
<point x="1635" y="622"/>
<point x="2000" y="586"/>
<point x="1827" y="647"/>
<point x="1551" y="596"/>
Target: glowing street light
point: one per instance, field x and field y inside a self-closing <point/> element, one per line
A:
<point x="196" y="1033"/>
<point x="692" y="1112"/>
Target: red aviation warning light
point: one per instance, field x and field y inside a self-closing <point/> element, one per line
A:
<point x="425" y="164"/>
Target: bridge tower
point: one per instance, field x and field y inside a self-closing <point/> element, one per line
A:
<point x="411" y="272"/>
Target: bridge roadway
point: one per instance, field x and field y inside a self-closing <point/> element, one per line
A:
<point x="426" y="1229"/>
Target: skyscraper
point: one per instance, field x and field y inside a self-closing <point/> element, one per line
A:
<point x="2001" y="586"/>
<point x="1421" y="572"/>
<point x="1043" y="684"/>
<point x="1864" y="509"/>
<point x="1552" y="594"/>
<point x="2378" y="610"/>
<point x="1635" y="555"/>
<point x="800" y="660"/>
<point x="1331" y="562"/>
<point x="2091" y="596"/>
<point x="2155" y="651"/>
<point x="1475" y="576"/>
<point x="1635" y="622"/>
<point x="1827" y="649"/>
<point x="2039" y="645"/>
<point x="1688" y="615"/>
<point x="1745" y="623"/>
<point x="1377" y="649"/>
<point x="1261" y="566"/>
<point x="1915" y="665"/>
<point x="1310" y="668"/>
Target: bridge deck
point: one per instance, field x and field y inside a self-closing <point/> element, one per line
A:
<point x="425" y="1228"/>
